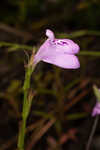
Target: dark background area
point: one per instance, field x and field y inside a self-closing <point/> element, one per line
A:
<point x="60" y="116"/>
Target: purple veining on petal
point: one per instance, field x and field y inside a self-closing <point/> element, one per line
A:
<point x="60" y="52"/>
<point x="61" y="42"/>
<point x="65" y="46"/>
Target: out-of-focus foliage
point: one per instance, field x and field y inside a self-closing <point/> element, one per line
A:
<point x="63" y="99"/>
<point x="74" y="14"/>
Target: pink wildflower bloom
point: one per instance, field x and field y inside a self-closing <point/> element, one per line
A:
<point x="96" y="109"/>
<point x="60" y="52"/>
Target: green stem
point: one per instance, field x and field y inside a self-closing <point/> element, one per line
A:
<point x="26" y="107"/>
<point x="15" y="46"/>
<point x="92" y="133"/>
<point x="89" y="53"/>
<point x="22" y="135"/>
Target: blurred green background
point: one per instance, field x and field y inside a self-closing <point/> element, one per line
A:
<point x="69" y="14"/>
<point x="60" y="116"/>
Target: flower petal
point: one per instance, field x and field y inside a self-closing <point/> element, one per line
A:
<point x="96" y="110"/>
<point x="58" y="51"/>
<point x="63" y="60"/>
<point x="43" y="50"/>
<point x="50" y="34"/>
<point x="66" y="46"/>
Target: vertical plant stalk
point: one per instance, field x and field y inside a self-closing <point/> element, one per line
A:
<point x="92" y="132"/>
<point x="26" y="102"/>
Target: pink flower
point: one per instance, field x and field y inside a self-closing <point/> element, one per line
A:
<point x="60" y="52"/>
<point x="96" y="109"/>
